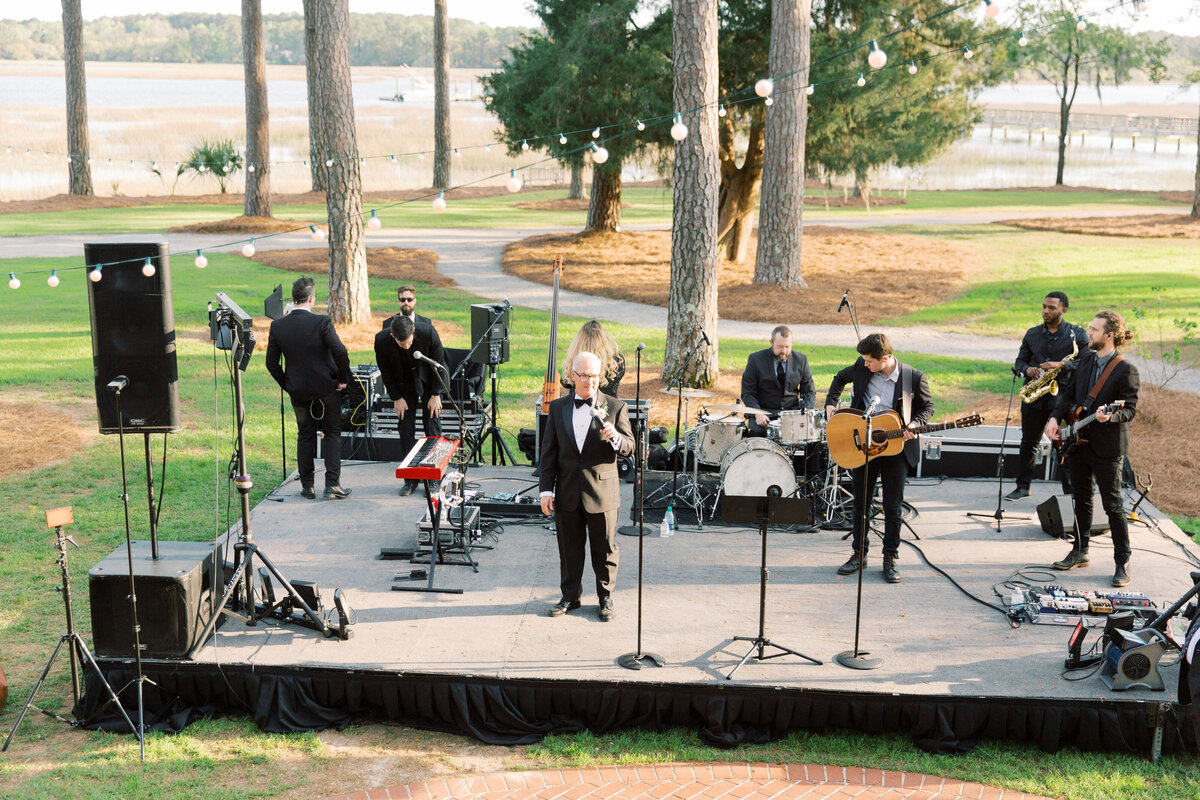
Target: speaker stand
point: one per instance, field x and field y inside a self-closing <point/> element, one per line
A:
<point x="998" y="514"/>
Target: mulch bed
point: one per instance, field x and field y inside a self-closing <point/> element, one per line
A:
<point x="1142" y="226"/>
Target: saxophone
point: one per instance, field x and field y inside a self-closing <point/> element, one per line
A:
<point x="1047" y="382"/>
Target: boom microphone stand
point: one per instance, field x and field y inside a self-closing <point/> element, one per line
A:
<point x="634" y="660"/>
<point x="677" y="382"/>
<point x="858" y="659"/>
<point x="998" y="514"/>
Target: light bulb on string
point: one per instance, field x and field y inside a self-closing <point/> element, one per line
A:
<point x="421" y="155"/>
<point x="861" y="80"/>
<point x="514" y="183"/>
<point x="763" y="87"/>
<point x="148" y="269"/>
<point x="1021" y="40"/>
<point x="1140" y="5"/>
<point x="250" y="167"/>
<point x="248" y="249"/>
<point x="457" y="154"/>
<point x="641" y="126"/>
<point x="876" y="59"/>
<point x="392" y="159"/>
<point x="439" y="202"/>
<point x="318" y="234"/>
<point x="487" y="148"/>
<point x="13" y="281"/>
<point x="52" y="281"/>
<point x="679" y="131"/>
<point x="374" y="222"/>
<point x="991" y="8"/>
<point x="596" y="133"/>
<point x="721" y="111"/>
<point x="912" y="67"/>
<point x="599" y="154"/>
<point x="362" y="162"/>
<point x="1081" y="23"/>
<point x="201" y="262"/>
<point x="808" y="90"/>
<point x="968" y="53"/>
<point x="562" y="138"/>
<point x="768" y="101"/>
<point x="95" y="275"/>
<point x="329" y="162"/>
<point x="525" y="145"/>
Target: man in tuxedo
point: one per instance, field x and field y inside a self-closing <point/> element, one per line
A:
<point x="406" y="296"/>
<point x="580" y="485"/>
<point x="316" y="367"/>
<point x="878" y="378"/>
<point x="776" y="379"/>
<point x="411" y="383"/>
<point x="1103" y="377"/>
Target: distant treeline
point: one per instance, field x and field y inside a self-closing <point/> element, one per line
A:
<point x="375" y="39"/>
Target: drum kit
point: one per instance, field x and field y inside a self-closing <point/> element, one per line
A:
<point x="794" y="456"/>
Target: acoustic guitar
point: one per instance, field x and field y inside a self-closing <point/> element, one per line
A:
<point x="846" y="429"/>
<point x="1068" y="435"/>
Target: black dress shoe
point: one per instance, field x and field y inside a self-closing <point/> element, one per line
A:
<point x="1121" y="576"/>
<point x="336" y="492"/>
<point x="1017" y="493"/>
<point x="407" y="489"/>
<point x="307" y="491"/>
<point x="850" y="567"/>
<point x="562" y="607"/>
<point x="606" y="610"/>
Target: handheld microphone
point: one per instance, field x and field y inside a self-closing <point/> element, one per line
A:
<point x="118" y="383"/>
<point x="845" y="301"/>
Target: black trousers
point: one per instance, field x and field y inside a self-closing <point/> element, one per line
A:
<point x="1087" y="467"/>
<point x="1033" y="421"/>
<point x="578" y="532"/>
<point x="322" y="414"/>
<point x="892" y="471"/>
<point x="408" y="426"/>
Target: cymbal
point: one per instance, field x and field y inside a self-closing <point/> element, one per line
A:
<point x="736" y="408"/>
<point x="688" y="392"/>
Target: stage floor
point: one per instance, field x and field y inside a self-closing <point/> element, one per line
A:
<point x="701" y="590"/>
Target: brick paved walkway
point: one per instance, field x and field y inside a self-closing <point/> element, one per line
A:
<point x="701" y="781"/>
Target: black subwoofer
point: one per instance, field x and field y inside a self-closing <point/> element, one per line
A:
<point x="173" y="599"/>
<point x="133" y="334"/>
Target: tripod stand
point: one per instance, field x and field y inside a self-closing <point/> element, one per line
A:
<point x="998" y="514"/>
<point x="77" y="649"/>
<point x="770" y="509"/>
<point x="499" y="446"/>
<point x="497" y="353"/>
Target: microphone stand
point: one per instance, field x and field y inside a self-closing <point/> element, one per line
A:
<point x="851" y="304"/>
<point x="998" y="514"/>
<point x="858" y="659"/>
<point x="677" y="382"/>
<point x="634" y="660"/>
<point x="494" y="429"/>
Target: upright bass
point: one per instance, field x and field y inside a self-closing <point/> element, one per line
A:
<point x="551" y="388"/>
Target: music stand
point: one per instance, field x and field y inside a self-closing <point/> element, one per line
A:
<point x="776" y="510"/>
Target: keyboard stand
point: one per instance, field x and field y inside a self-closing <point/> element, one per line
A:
<point x="435" y="552"/>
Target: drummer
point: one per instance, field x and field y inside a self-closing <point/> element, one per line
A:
<point x="776" y="379"/>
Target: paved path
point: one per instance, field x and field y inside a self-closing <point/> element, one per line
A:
<point x="704" y="781"/>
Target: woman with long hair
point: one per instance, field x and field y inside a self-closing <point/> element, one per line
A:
<point x="592" y="338"/>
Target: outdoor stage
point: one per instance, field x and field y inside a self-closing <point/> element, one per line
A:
<point x="490" y="663"/>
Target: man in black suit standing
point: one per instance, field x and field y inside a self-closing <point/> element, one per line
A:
<point x="877" y="377"/>
<point x="580" y="484"/>
<point x="317" y="368"/>
<point x="406" y="295"/>
<point x="777" y="379"/>
<point x="1103" y="377"/>
<point x="411" y="383"/>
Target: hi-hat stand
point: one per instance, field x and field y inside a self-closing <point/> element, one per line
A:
<point x="77" y="649"/>
<point x="998" y="514"/>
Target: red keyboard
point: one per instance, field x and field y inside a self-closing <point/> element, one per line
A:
<point x="428" y="459"/>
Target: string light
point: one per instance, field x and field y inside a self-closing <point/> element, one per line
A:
<point x="596" y="133"/>
<point x="250" y="167"/>
<point x="487" y="148"/>
<point x="13" y="281"/>
<point x="317" y="233"/>
<point x="248" y="249"/>
<point x="329" y="162"/>
<point x="52" y="281"/>
<point x="968" y="53"/>
<point x="991" y="8"/>
<point x="1081" y="24"/>
<point x="439" y="202"/>
<point x="912" y="67"/>
<point x="721" y="112"/>
<point x="763" y="87"/>
<point x="95" y="275"/>
<point x="562" y="138"/>
<point x="768" y="101"/>
<point x="457" y="154"/>
<point x="1141" y="5"/>
<point x="374" y="222"/>
<point x="514" y="183"/>
<point x="1021" y="40"/>
<point x="679" y="131"/>
<point x="148" y="269"/>
<point x="599" y="154"/>
<point x="422" y="156"/>
<point x="525" y="145"/>
<point x="808" y="90"/>
<point x="641" y="126"/>
<point x="861" y="80"/>
<point x="877" y="59"/>
<point x="201" y="262"/>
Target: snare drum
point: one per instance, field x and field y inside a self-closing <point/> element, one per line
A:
<point x="716" y="436"/>
<point x="799" y="427"/>
<point x="753" y="465"/>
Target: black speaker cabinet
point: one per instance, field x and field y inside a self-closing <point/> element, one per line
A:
<point x="173" y="599"/>
<point x="1057" y="515"/>
<point x="133" y="334"/>
<point x="495" y="350"/>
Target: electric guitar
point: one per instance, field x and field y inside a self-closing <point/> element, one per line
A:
<point x="1068" y="435"/>
<point x="846" y="429"/>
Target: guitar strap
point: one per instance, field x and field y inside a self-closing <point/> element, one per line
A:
<point x="906" y="380"/>
<point x="1095" y="392"/>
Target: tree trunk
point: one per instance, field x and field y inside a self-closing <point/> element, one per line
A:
<point x="258" y="129"/>
<point x="576" y="190"/>
<point x="604" y="208"/>
<point x="79" y="170"/>
<point x="781" y="200"/>
<point x="349" y="300"/>
<point x="692" y="297"/>
<point x="1196" y="191"/>
<point x="441" y="96"/>
<point x="1064" y="117"/>
<point x="739" y="190"/>
<point x="312" y="67"/>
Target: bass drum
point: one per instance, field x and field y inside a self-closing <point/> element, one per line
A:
<point x="752" y="465"/>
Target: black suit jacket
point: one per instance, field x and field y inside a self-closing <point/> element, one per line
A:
<point x="1110" y="439"/>
<point x="315" y="360"/>
<point x="921" y="405"/>
<point x="402" y="374"/>
<point x="417" y="318"/>
<point x="760" y="386"/>
<point x="589" y="478"/>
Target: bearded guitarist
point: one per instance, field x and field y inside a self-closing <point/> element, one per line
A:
<point x="1103" y="378"/>
<point x="877" y="376"/>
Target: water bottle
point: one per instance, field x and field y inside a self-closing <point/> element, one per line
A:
<point x="667" y="528"/>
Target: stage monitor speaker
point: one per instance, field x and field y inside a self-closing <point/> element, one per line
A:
<point x="495" y="350"/>
<point x="133" y="334"/>
<point x="1057" y="515"/>
<point x="173" y="594"/>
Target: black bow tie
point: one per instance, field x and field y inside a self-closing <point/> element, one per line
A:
<point x="580" y="402"/>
